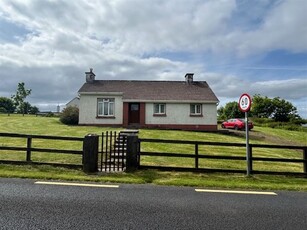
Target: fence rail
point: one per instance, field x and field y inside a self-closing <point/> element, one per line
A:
<point x="29" y="149"/>
<point x="196" y="156"/>
<point x="41" y="136"/>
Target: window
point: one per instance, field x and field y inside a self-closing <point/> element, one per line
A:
<point x="159" y="109"/>
<point x="195" y="109"/>
<point x="105" y="107"/>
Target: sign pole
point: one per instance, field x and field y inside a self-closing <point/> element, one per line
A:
<point x="245" y="103"/>
<point x="248" y="160"/>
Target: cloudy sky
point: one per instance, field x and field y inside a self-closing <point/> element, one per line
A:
<point x="237" y="46"/>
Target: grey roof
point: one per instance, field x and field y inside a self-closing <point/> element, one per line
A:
<point x="153" y="90"/>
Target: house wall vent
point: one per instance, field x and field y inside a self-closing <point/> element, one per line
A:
<point x="189" y="78"/>
<point x="90" y="76"/>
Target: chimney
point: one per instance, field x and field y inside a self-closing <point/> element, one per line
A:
<point x="90" y="76"/>
<point x="189" y="78"/>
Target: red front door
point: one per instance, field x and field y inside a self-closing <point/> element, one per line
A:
<point x="134" y="113"/>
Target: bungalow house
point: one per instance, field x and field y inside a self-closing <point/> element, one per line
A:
<point x="187" y="104"/>
<point x="74" y="102"/>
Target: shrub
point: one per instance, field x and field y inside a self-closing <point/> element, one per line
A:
<point x="261" y="121"/>
<point x="70" y="116"/>
<point x="51" y="114"/>
<point x="291" y="127"/>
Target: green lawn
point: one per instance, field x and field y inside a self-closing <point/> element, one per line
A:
<point x="258" y="136"/>
<point x="51" y="126"/>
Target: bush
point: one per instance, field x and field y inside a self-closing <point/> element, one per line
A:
<point x="70" y="116"/>
<point x="292" y="127"/>
<point x="261" y="121"/>
<point x="51" y="114"/>
<point x="267" y="122"/>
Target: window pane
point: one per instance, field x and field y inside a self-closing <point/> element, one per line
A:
<point x="156" y="108"/>
<point x="111" y="108"/>
<point x="198" y="109"/>
<point x="162" y="108"/>
<point x="134" y="107"/>
<point x="100" y="108"/>
<point x="192" y="109"/>
<point x="105" y="108"/>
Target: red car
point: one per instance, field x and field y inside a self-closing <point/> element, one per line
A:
<point x="237" y="124"/>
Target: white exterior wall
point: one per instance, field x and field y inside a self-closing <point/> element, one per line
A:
<point x="88" y="110"/>
<point x="180" y="114"/>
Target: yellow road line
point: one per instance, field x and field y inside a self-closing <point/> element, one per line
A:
<point x="77" y="184"/>
<point x="236" y="192"/>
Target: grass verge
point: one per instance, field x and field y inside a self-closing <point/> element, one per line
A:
<point x="212" y="180"/>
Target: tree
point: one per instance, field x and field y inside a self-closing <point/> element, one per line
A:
<point x="34" y="110"/>
<point x="278" y="109"/>
<point x="284" y="111"/>
<point x="6" y="105"/>
<point x="262" y="107"/>
<point x="27" y="108"/>
<point x="231" y="110"/>
<point x="220" y="113"/>
<point x="20" y="96"/>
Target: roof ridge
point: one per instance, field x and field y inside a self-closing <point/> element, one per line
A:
<point x="146" y="80"/>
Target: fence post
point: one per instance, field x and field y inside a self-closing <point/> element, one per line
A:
<point x="29" y="146"/>
<point x="250" y="152"/>
<point x="132" y="152"/>
<point x="305" y="160"/>
<point x="90" y="153"/>
<point x="196" y="156"/>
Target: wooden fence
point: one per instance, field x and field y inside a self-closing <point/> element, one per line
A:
<point x="135" y="154"/>
<point x="28" y="149"/>
<point x="197" y="156"/>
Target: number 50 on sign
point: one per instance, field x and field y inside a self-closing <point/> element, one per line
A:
<point x="245" y="102"/>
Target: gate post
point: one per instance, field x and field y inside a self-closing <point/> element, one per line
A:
<point x="132" y="152"/>
<point x="305" y="160"/>
<point x="90" y="153"/>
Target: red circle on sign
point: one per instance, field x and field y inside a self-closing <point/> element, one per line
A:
<point x="245" y="102"/>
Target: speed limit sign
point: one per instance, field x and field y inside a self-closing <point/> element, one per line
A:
<point x="245" y="102"/>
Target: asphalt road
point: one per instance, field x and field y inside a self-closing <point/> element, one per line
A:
<point x="25" y="204"/>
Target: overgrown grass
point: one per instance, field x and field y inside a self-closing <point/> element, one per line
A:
<point x="292" y="126"/>
<point x="52" y="126"/>
<point x="212" y="180"/>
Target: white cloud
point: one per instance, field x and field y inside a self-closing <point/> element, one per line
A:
<point x="284" y="28"/>
<point x="233" y="86"/>
<point x="70" y="28"/>
<point x="123" y="39"/>
<point x="128" y="26"/>
<point x="290" y="88"/>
